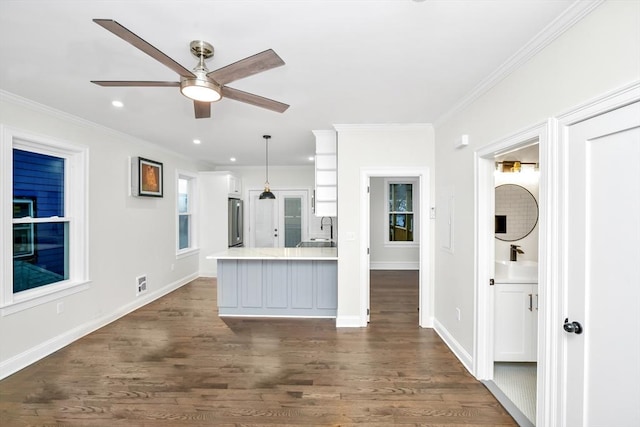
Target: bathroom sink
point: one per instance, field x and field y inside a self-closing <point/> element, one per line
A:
<point x="518" y="271"/>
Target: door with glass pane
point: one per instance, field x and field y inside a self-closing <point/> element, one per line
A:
<point x="293" y="218"/>
<point x="278" y="223"/>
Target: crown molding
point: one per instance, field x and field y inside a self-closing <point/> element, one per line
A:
<point x="382" y="127"/>
<point x="62" y="115"/>
<point x="574" y="14"/>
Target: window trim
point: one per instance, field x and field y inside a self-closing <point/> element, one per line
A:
<point x="192" y="212"/>
<point x="76" y="213"/>
<point x="415" y="212"/>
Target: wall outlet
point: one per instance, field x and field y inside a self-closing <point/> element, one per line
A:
<point x="141" y="284"/>
<point x="59" y="307"/>
<point x="458" y="314"/>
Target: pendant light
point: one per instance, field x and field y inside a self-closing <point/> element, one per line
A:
<point x="267" y="194"/>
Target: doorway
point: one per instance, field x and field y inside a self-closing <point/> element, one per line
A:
<point x="508" y="286"/>
<point x="421" y="205"/>
<point x="280" y="222"/>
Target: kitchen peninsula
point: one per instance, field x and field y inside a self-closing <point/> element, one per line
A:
<point x="277" y="282"/>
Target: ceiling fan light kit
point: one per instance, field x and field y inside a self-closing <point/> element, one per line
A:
<point x="201" y="85"/>
<point x="200" y="90"/>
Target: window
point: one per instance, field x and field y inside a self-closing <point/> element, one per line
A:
<point x="400" y="212"/>
<point x="186" y="219"/>
<point x="44" y="239"/>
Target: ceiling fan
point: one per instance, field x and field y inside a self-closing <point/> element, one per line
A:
<point x="201" y="85"/>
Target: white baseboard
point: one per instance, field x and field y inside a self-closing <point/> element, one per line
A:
<point x="462" y="355"/>
<point x="349" y="322"/>
<point x="42" y="350"/>
<point x="394" y="265"/>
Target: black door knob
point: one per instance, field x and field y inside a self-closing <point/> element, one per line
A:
<point x="572" y="327"/>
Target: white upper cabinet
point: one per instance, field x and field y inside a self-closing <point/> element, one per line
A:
<point x="326" y="165"/>
<point x="234" y="186"/>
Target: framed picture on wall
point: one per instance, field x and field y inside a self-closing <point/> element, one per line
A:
<point x="146" y="177"/>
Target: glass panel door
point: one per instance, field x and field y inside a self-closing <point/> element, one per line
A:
<point x="292" y="221"/>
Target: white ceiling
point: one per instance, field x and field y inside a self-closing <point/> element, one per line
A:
<point x="397" y="61"/>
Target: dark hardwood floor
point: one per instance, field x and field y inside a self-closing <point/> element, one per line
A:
<point x="176" y="363"/>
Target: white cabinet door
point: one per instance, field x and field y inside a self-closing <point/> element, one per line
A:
<point x="601" y="368"/>
<point x="516" y="322"/>
<point x="234" y="186"/>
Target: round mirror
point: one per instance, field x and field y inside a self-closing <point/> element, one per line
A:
<point x="516" y="212"/>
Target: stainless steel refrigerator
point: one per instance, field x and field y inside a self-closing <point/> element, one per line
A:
<point x="235" y="222"/>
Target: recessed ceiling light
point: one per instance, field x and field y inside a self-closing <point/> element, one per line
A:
<point x="233" y="159"/>
<point x="117" y="104"/>
<point x="196" y="141"/>
<point x="311" y="158"/>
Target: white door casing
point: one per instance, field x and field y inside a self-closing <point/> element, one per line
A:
<point x="601" y="366"/>
<point x="424" y="277"/>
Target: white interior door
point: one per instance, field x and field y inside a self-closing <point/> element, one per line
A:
<point x="602" y="364"/>
<point x="282" y="222"/>
<point x="264" y="221"/>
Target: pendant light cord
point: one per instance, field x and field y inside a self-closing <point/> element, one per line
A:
<point x="266" y="139"/>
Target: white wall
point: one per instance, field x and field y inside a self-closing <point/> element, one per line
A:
<point x="386" y="257"/>
<point x="363" y="147"/>
<point x="128" y="236"/>
<point x="596" y="56"/>
<point x="213" y="196"/>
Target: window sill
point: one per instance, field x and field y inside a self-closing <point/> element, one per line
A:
<point x="187" y="253"/>
<point x="42" y="296"/>
<point x="401" y="245"/>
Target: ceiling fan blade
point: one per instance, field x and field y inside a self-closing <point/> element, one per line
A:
<point x="134" y="83"/>
<point x="257" y="63"/>
<point x="202" y="109"/>
<point x="252" y="99"/>
<point x="128" y="36"/>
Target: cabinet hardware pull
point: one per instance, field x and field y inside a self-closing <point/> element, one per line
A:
<point x="530" y="302"/>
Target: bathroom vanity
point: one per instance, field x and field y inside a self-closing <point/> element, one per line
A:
<point x="278" y="282"/>
<point x="516" y="311"/>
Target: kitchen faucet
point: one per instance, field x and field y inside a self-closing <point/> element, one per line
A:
<point x="330" y="224"/>
<point x="515" y="250"/>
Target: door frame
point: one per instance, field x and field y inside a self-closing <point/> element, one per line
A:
<point x="552" y="256"/>
<point x="556" y="410"/>
<point x="425" y="299"/>
<point x="484" y="162"/>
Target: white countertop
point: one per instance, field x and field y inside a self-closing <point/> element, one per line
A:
<point x="277" y="253"/>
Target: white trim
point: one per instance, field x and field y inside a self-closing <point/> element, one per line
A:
<point x="76" y="199"/>
<point x="457" y="349"/>
<point x="483" y="343"/>
<point x="277" y="316"/>
<point x="40" y="351"/>
<point x="425" y="285"/>
<point x="193" y="247"/>
<point x="392" y="127"/>
<point x="42" y="295"/>
<point x="414" y="181"/>
<point x="350" y="322"/>
<point x="41" y="108"/>
<point x="394" y="265"/>
<point x="576" y="12"/>
<point x="558" y="246"/>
